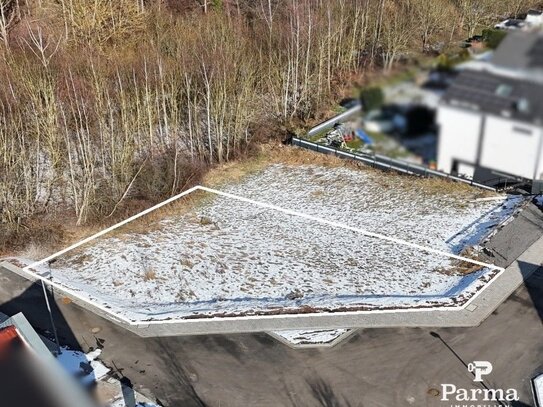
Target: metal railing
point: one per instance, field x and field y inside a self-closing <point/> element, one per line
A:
<point x="386" y="163"/>
<point x="328" y="124"/>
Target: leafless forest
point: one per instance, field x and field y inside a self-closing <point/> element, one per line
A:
<point x="110" y="105"/>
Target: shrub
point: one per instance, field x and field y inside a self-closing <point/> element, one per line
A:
<point x="372" y="98"/>
<point x="445" y="62"/>
<point x="492" y="37"/>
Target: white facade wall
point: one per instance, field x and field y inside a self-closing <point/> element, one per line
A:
<point x="512" y="147"/>
<point x="539" y="172"/>
<point x="534" y="19"/>
<point x="508" y="146"/>
<point x="458" y="136"/>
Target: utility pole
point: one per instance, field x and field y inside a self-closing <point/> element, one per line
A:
<point x="51" y="319"/>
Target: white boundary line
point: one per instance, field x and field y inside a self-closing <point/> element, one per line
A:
<point x="343" y="226"/>
<point x="109" y="229"/>
<point x="109" y="311"/>
<point x="143" y="323"/>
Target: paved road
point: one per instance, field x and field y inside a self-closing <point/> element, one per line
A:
<point x="375" y="367"/>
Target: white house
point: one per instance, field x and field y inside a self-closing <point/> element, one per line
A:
<point x="491" y="120"/>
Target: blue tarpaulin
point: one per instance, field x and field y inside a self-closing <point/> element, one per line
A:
<point x="364" y="137"/>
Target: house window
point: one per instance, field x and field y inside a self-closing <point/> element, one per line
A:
<point x="504" y="90"/>
<point x="523" y="105"/>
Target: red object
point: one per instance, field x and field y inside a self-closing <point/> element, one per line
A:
<point x="7" y="337"/>
<point x="348" y="137"/>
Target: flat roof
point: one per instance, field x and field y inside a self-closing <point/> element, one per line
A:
<point x="287" y="239"/>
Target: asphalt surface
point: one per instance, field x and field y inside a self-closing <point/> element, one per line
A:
<point x="374" y="367"/>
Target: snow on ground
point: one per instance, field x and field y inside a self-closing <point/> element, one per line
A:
<point x="226" y="257"/>
<point x="390" y="206"/>
<point x="121" y="403"/>
<point x="124" y="396"/>
<point x="305" y="337"/>
<point x="84" y="367"/>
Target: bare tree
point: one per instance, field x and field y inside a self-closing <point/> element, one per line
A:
<point x="397" y="33"/>
<point x="10" y="13"/>
<point x="43" y="48"/>
<point x="475" y="13"/>
<point x="432" y="18"/>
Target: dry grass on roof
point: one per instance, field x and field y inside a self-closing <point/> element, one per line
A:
<point x="275" y="153"/>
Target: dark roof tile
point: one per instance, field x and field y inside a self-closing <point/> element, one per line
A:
<point x="478" y="90"/>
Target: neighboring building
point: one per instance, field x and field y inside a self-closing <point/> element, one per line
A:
<point x="491" y="119"/>
<point x="520" y="55"/>
<point x="510" y="24"/>
<point x="533" y="20"/>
